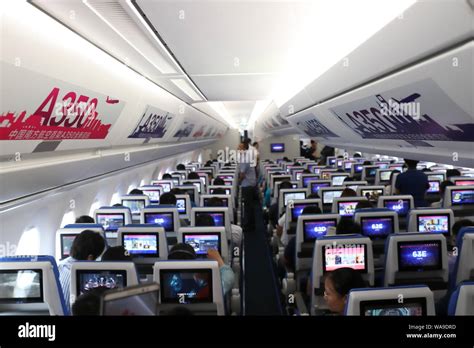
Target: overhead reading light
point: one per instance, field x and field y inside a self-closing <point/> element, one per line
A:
<point x="165" y="68"/>
<point x="329" y="31"/>
<point x="186" y="88"/>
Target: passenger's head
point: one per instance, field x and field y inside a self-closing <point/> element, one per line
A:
<point x="168" y="198"/>
<point x="135" y="192"/>
<point x="85" y="219"/>
<point x="348" y="192"/>
<point x="219" y="191"/>
<point x="313" y="195"/>
<point x="357" y="155"/>
<point x="180" y="167"/>
<point x="347" y="226"/>
<point x="88" y="245"/>
<point x="255" y="145"/>
<point x="176" y="191"/>
<point x="337" y="285"/>
<point x="88" y="303"/>
<point x="193" y="176"/>
<point x="204" y="220"/>
<point x="182" y="251"/>
<point x="311" y="210"/>
<point x="215" y="202"/>
<point x="116" y="253"/>
<point x="457" y="227"/>
<point x="411" y="164"/>
<point x="364" y="205"/>
<point x="443" y="185"/>
<point x="166" y="176"/>
<point x="218" y="182"/>
<point x="452" y="172"/>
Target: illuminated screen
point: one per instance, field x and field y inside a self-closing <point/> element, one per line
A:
<point x="328" y="196"/>
<point x="460" y="197"/>
<point x="346" y="208"/>
<point x="372" y="195"/>
<point x="219" y="217"/>
<point x="307" y="179"/>
<point x="21" y="286"/>
<point x="224" y="200"/>
<point x="358" y="168"/>
<point x="433" y="223"/>
<point x="66" y="244"/>
<point x="401" y="206"/>
<point x="338" y="180"/>
<point x="345" y="255"/>
<point x="141" y="244"/>
<point x="277" y="147"/>
<point x="377" y="227"/>
<point x="347" y="165"/>
<point x="135" y="206"/>
<point x="164" y="220"/>
<point x="154" y="195"/>
<point x="110" y="222"/>
<point x="316" y="186"/>
<point x="291" y="196"/>
<point x="326" y="175"/>
<point x="385" y="175"/>
<point x="298" y="208"/>
<point x="201" y="242"/>
<point x="227" y="190"/>
<point x="370" y="172"/>
<point x="166" y="186"/>
<point x="181" y="205"/>
<point x="419" y="256"/>
<point x="92" y="279"/>
<point x="315" y="229"/>
<point x="434" y="187"/>
<point x="464" y="182"/>
<point x="186" y="286"/>
<point x="392" y="308"/>
<point x="439" y="177"/>
<point x="332" y="161"/>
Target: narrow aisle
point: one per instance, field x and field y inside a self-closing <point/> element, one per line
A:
<point x="261" y="291"/>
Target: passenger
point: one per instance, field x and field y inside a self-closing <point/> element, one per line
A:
<point x="337" y="285"/>
<point x="135" y="192"/>
<point x="248" y="183"/>
<point x="442" y="190"/>
<point x="168" y="198"/>
<point x="236" y="231"/>
<point x="357" y="155"/>
<point x="452" y="172"/>
<point x="116" y="253"/>
<point x="364" y="205"/>
<point x="88" y="304"/>
<point x="413" y="182"/>
<point x="88" y="245"/>
<point x="347" y="226"/>
<point x="348" y="192"/>
<point x="453" y="252"/>
<point x="204" y="220"/>
<point x="193" y="176"/>
<point x="85" y="219"/>
<point x="273" y="211"/>
<point x="166" y="176"/>
<point x="183" y="251"/>
<point x="180" y="167"/>
<point x="218" y="182"/>
<point x="219" y="191"/>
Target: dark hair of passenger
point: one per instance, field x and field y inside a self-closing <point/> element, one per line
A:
<point x="166" y="176"/>
<point x="208" y="163"/>
<point x="193" y="176"/>
<point x="88" y="303"/>
<point x="215" y="202"/>
<point x="426" y="170"/>
<point x="117" y="205"/>
<point x="340" y="170"/>
<point x="219" y="191"/>
<point x="306" y="171"/>
<point x="443" y="185"/>
<point x="167" y="198"/>
<point x="218" y="182"/>
<point x="452" y="172"/>
<point x="348" y="179"/>
<point x="180" y="167"/>
<point x="347" y="226"/>
<point x="364" y="205"/>
<point x="411" y="163"/>
<point x="345" y="279"/>
<point x="182" y="251"/>
<point x="116" y="253"/>
<point x="460" y="224"/>
<point x="135" y="192"/>
<point x="204" y="220"/>
<point x="367" y="163"/>
<point x="348" y="192"/>
<point x="313" y="195"/>
<point x="85" y="219"/>
<point x="285" y="184"/>
<point x="286" y="159"/>
<point x="88" y="245"/>
<point x="311" y="210"/>
<point x="176" y="191"/>
<point x="357" y="155"/>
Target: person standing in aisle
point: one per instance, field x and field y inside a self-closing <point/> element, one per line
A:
<point x="247" y="182"/>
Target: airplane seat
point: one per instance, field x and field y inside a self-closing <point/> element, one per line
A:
<point x="357" y="252"/>
<point x="35" y="287"/>
<point x="87" y="275"/>
<point x="417" y="258"/>
<point x="111" y="218"/>
<point x="146" y="244"/>
<point x="220" y="215"/>
<point x="66" y="235"/>
<point x="464" y="265"/>
<point x="462" y="300"/>
<point x="428" y="220"/>
<point x="393" y="301"/>
<point x="166" y="217"/>
<point x="194" y="284"/>
<point x="461" y="200"/>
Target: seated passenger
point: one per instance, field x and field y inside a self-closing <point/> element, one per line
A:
<point x="116" y="253"/>
<point x="348" y="192"/>
<point x="88" y="303"/>
<point x="136" y="192"/>
<point x="168" y="198"/>
<point x="204" y="220"/>
<point x="183" y="251"/>
<point x="337" y="285"/>
<point x="193" y="176"/>
<point x="442" y="190"/>
<point x="452" y="252"/>
<point x="452" y="172"/>
<point x="236" y="231"/>
<point x="180" y="167"/>
<point x="347" y="226"/>
<point x="88" y="245"/>
<point x="85" y="219"/>
<point x="218" y="182"/>
<point x="412" y="182"/>
<point x="166" y="176"/>
<point x="364" y="205"/>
